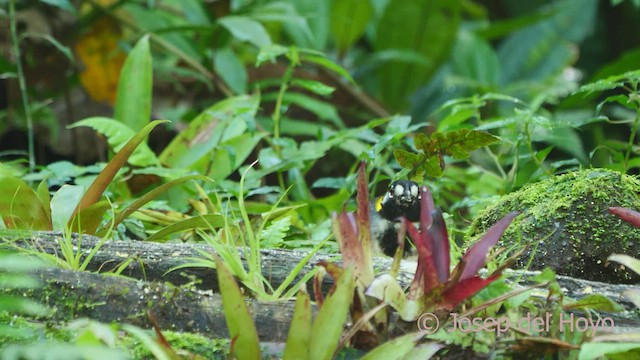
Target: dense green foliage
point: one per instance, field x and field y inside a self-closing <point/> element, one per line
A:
<point x="269" y="105"/>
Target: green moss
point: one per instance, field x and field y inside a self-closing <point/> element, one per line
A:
<point x="569" y="213"/>
<point x="182" y="343"/>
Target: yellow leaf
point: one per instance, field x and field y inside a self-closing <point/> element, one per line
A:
<point x="98" y="50"/>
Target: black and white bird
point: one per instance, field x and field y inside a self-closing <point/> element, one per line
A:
<point x="401" y="200"/>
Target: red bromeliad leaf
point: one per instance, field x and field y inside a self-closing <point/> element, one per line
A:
<point x="464" y="289"/>
<point x="626" y="214"/>
<point x="440" y="246"/>
<point x="426" y="209"/>
<point x="475" y="257"/>
<point x="426" y="267"/>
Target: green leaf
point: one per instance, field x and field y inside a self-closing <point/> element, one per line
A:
<point x="596" y="350"/>
<point x="328" y="64"/>
<point x="229" y="67"/>
<point x="407" y="159"/>
<point x="246" y="29"/>
<point x="274" y="234"/>
<point x="220" y="122"/>
<point x="231" y="154"/>
<point x="544" y="49"/>
<point x="475" y="60"/>
<point x="595" y="302"/>
<point x="428" y="27"/>
<point x="63" y="204"/>
<point x="144" y="199"/>
<point x="270" y="53"/>
<point x="44" y="197"/>
<point x="404" y="347"/>
<point x="133" y="99"/>
<point x="242" y="330"/>
<point x="88" y="219"/>
<point x="117" y="135"/>
<point x="329" y="323"/>
<point x="20" y="206"/>
<point x="457" y="144"/>
<point x="104" y="178"/>
<point x="349" y="18"/>
<point x="196" y="222"/>
<point x="315" y="87"/>
<point x="297" y="346"/>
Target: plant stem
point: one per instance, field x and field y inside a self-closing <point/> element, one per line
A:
<point x="277" y="112"/>
<point x="277" y="115"/>
<point x="22" y="83"/>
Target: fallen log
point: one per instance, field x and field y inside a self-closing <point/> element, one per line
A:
<point x="154" y="260"/>
<point x="110" y="298"/>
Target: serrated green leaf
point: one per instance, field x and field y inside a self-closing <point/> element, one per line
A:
<point x="274" y="234"/>
<point x="432" y="167"/>
<point x="117" y="135"/>
<point x="407" y="159"/>
<point x="105" y="177"/>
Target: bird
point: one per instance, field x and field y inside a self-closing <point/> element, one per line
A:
<point x="401" y="200"/>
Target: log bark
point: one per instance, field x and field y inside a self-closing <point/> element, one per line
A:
<point x="200" y="309"/>
<point x="72" y="294"/>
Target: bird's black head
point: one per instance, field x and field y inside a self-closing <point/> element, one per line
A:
<point x="402" y="199"/>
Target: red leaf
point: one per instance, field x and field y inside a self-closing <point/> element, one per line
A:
<point x="426" y="209"/>
<point x="425" y="256"/>
<point x="475" y="257"/>
<point x="440" y="246"/>
<point x="465" y="289"/>
<point x="626" y="214"/>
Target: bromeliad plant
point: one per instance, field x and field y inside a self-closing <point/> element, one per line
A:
<point x="434" y="286"/>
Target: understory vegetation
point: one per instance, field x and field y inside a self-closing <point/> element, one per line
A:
<point x="253" y="125"/>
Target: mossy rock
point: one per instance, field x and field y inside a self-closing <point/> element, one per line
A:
<point x="575" y="205"/>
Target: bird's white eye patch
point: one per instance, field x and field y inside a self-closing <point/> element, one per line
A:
<point x="414" y="191"/>
<point x="398" y="190"/>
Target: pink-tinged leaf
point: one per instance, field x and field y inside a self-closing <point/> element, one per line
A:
<point x="426" y="209"/>
<point x="626" y="214"/>
<point x="364" y="265"/>
<point x="352" y="250"/>
<point x="425" y="256"/>
<point x="475" y="257"/>
<point x="362" y="198"/>
<point x="440" y="246"/>
<point x="465" y="289"/>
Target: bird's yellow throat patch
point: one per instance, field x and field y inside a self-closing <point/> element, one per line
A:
<point x="379" y="204"/>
